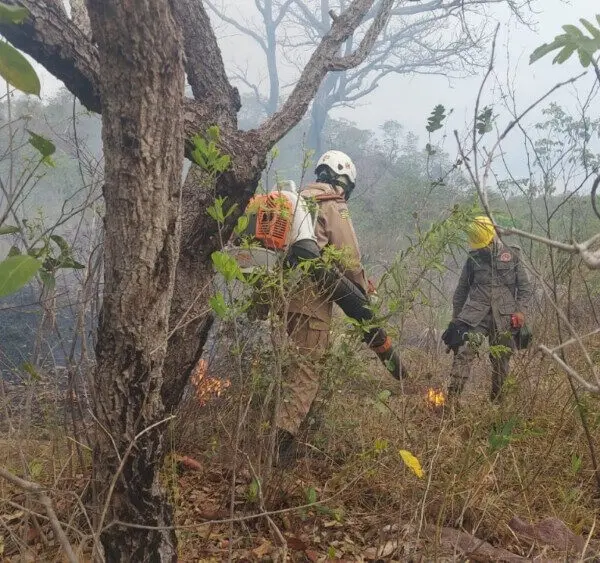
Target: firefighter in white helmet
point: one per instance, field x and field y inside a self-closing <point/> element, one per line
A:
<point x="310" y="312"/>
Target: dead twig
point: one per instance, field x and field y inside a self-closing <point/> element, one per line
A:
<point x="38" y="492"/>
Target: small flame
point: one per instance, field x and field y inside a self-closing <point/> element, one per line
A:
<point x="435" y="397"/>
<point x="207" y="386"/>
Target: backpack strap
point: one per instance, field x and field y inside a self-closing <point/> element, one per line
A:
<point x="330" y="197"/>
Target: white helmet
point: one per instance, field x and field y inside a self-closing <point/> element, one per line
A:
<point x="340" y="163"/>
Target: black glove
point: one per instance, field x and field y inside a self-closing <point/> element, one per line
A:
<point x="391" y="360"/>
<point x="454" y="336"/>
<point x="381" y="344"/>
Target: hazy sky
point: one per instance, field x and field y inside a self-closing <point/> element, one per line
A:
<point x="409" y="99"/>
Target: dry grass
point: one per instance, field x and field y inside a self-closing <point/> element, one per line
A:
<point x="483" y="464"/>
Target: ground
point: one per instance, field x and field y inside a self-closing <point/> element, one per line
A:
<point x="498" y="482"/>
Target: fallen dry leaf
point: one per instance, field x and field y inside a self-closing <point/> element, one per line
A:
<point x="265" y="547"/>
<point x="296" y="543"/>
<point x="381" y="551"/>
<point x="189" y="463"/>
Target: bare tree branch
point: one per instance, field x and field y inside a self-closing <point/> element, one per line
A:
<point x="38" y="492"/>
<point x="60" y="46"/>
<point x="204" y="63"/>
<point x="323" y="59"/>
<point x="368" y="41"/>
<point x="237" y="25"/>
<point x="570" y="371"/>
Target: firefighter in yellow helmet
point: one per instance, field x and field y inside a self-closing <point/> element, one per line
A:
<point x="491" y="300"/>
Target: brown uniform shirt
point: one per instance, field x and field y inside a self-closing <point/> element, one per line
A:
<point x="333" y="227"/>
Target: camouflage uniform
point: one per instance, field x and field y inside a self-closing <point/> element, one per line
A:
<point x="310" y="312"/>
<point x="492" y="287"/>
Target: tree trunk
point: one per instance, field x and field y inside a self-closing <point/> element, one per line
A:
<point x="190" y="320"/>
<point x="142" y="86"/>
<point x="319" y="111"/>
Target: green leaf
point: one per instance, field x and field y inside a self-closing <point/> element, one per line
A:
<point x="14" y="251"/>
<point x="584" y="58"/>
<point x="48" y="279"/>
<point x="65" y="259"/>
<point x="242" y="224"/>
<point x="502" y="435"/>
<point x="12" y="14"/>
<point x="573" y="31"/>
<point x="436" y="119"/>
<point x="218" y="305"/>
<point x="63" y="245"/>
<point x="564" y="55"/>
<point x="213" y="134"/>
<point x="485" y="121"/>
<point x="311" y="495"/>
<point x="72" y="264"/>
<point x="226" y="266"/>
<point x="44" y="146"/>
<point x="544" y="50"/>
<point x="8" y="230"/>
<point x="595" y="32"/>
<point x="17" y="71"/>
<point x="35" y="469"/>
<point x="384" y="395"/>
<point x="15" y="272"/>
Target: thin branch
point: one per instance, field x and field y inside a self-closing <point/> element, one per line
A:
<point x="593" y="195"/>
<point x="204" y="63"/>
<point x="120" y="469"/>
<point x="322" y="61"/>
<point x="237" y="25"/>
<point x="514" y="122"/>
<point x="476" y="112"/>
<point x="368" y="41"/>
<point x="575" y="340"/>
<point x="38" y="492"/>
<point x="570" y="371"/>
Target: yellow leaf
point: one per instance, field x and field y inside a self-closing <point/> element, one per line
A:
<point x="412" y="462"/>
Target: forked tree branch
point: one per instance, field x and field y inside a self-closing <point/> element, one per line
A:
<point x="570" y="371"/>
<point x="366" y="45"/>
<point x="204" y="64"/>
<point x="324" y="59"/>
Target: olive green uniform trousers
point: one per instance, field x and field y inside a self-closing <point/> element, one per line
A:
<point x="501" y="348"/>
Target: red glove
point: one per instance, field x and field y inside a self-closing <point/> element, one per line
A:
<point x="517" y="320"/>
<point x="371" y="289"/>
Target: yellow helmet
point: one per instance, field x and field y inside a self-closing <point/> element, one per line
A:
<point x="480" y="232"/>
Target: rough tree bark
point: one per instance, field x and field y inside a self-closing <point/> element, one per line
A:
<point x="141" y="76"/>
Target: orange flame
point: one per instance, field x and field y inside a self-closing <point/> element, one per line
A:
<point x="435" y="397"/>
<point x="206" y="386"/>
